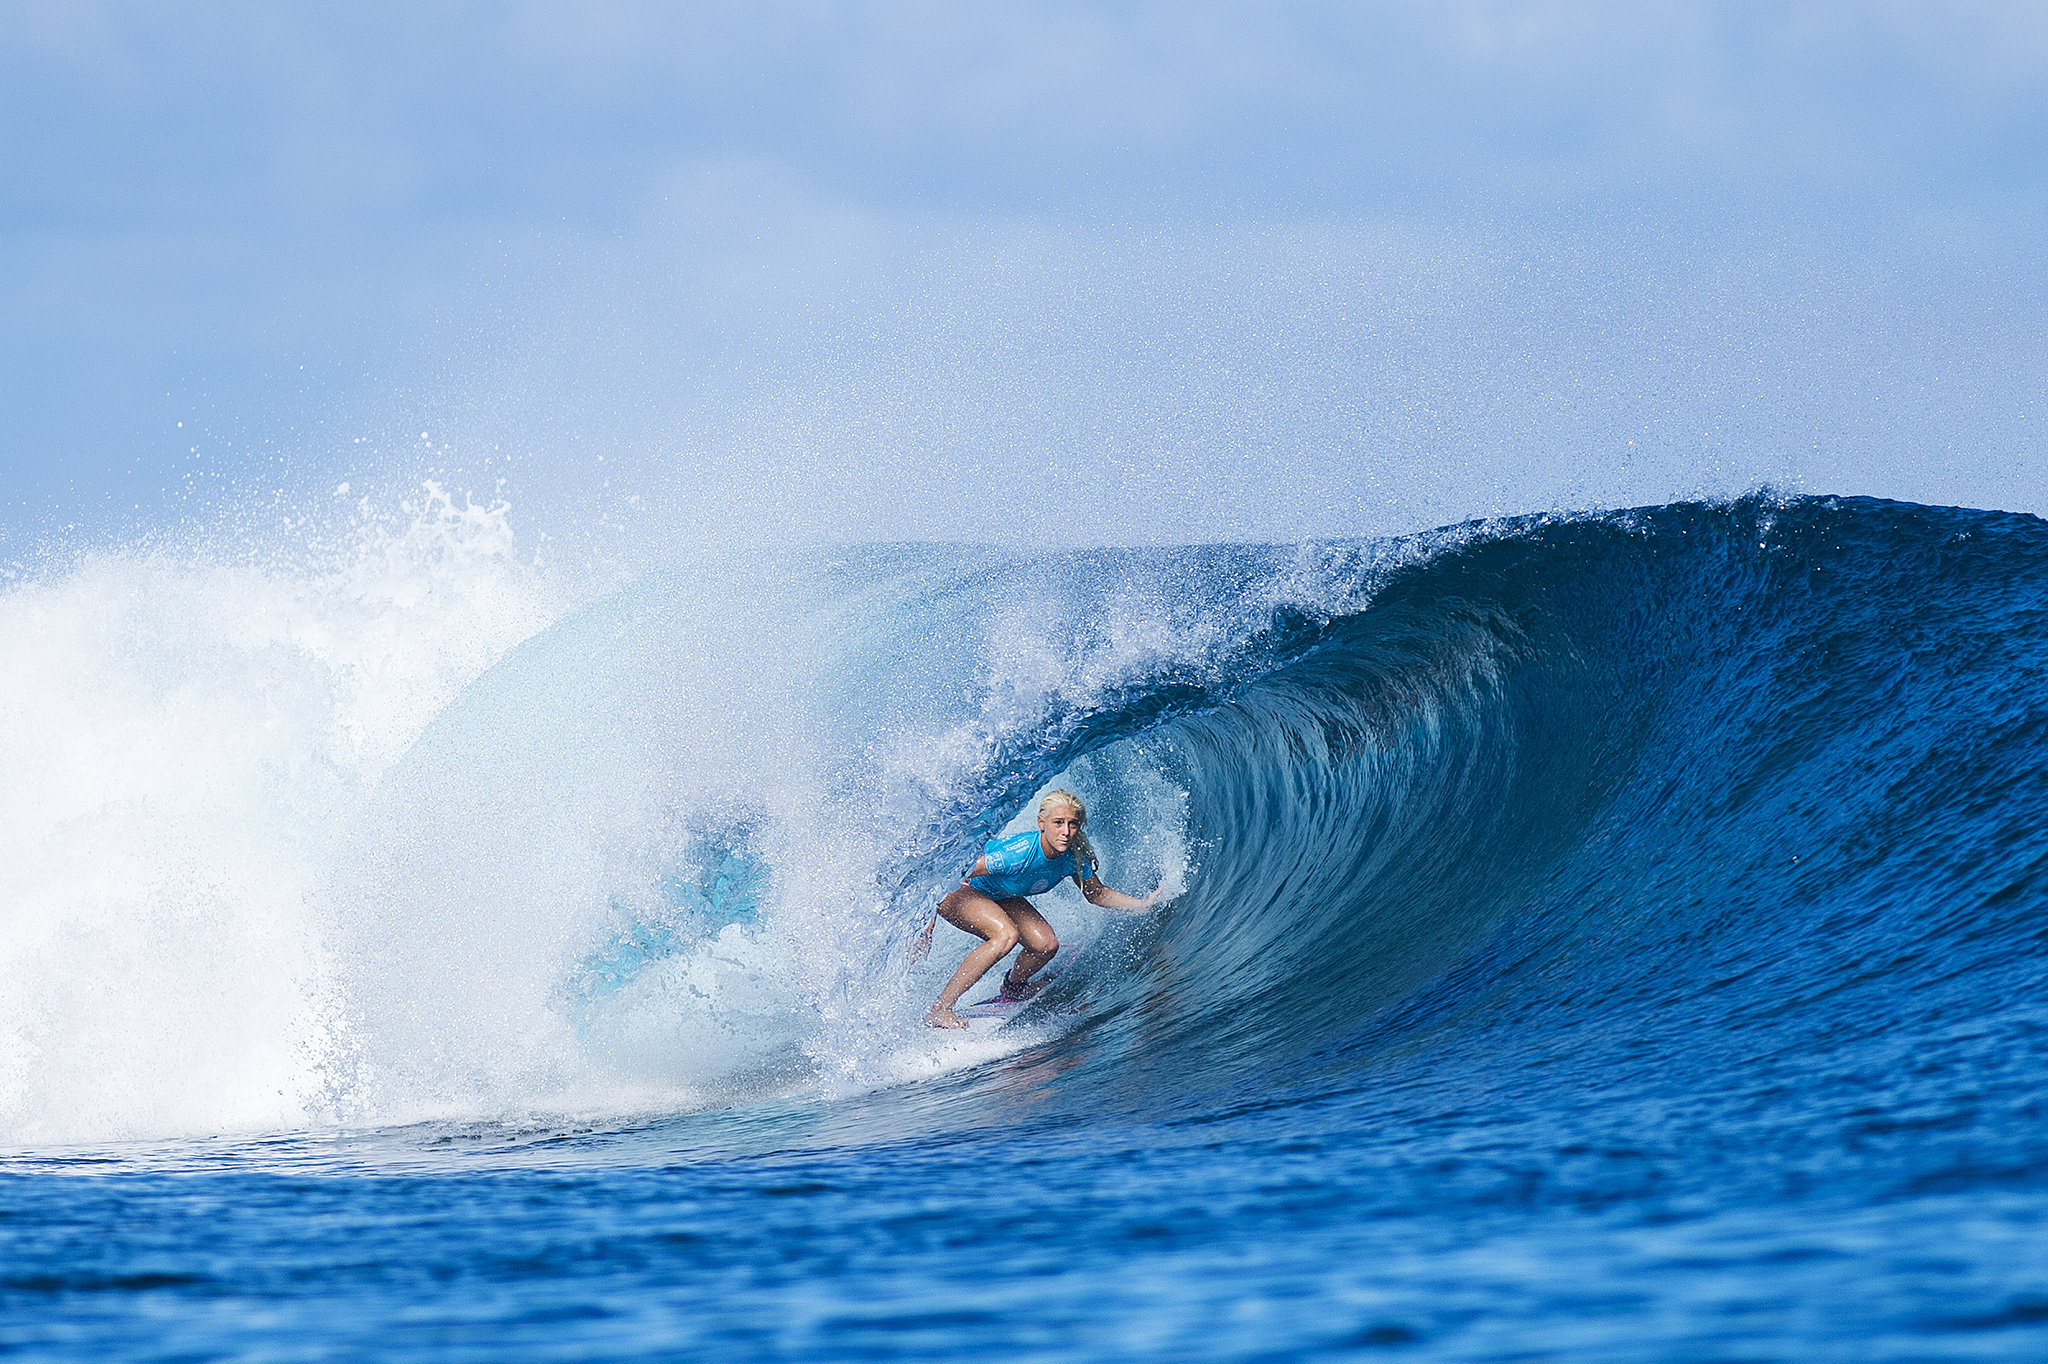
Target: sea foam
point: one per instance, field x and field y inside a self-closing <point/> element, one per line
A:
<point x="185" y="740"/>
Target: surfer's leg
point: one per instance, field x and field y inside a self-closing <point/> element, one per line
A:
<point x="968" y="909"/>
<point x="1040" y="943"/>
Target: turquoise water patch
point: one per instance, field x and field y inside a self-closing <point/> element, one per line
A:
<point x="719" y="882"/>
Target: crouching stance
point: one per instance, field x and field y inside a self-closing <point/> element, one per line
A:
<point x="991" y="903"/>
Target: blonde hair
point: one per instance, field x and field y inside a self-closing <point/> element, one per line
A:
<point x="1083" y="850"/>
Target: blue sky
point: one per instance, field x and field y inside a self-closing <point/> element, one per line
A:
<point x="1027" y="273"/>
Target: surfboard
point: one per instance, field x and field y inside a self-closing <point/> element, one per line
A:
<point x="995" y="1006"/>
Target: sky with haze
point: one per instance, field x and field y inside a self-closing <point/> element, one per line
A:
<point x="675" y="275"/>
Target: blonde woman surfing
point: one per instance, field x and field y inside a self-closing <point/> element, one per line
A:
<point x="990" y="903"/>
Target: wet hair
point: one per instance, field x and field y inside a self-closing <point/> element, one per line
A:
<point x="1083" y="850"/>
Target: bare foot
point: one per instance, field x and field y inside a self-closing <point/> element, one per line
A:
<point x="943" y="1017"/>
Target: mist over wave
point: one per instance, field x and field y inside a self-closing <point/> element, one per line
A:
<point x="357" y="839"/>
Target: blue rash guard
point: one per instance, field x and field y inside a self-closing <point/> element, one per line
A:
<point x="1017" y="865"/>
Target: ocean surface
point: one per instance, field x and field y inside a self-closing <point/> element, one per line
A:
<point x="1603" y="937"/>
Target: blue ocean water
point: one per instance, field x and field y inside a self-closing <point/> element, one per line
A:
<point x="1609" y="937"/>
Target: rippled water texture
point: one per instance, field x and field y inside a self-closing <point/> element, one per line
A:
<point x="1604" y="938"/>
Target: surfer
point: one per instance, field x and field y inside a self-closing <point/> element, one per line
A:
<point x="990" y="902"/>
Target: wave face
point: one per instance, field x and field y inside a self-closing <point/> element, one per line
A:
<point x="1677" y="799"/>
<point x="1663" y="783"/>
<point x="1534" y="885"/>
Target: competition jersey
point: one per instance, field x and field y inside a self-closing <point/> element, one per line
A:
<point x="1017" y="865"/>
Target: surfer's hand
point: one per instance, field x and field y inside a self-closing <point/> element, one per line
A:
<point x="922" y="948"/>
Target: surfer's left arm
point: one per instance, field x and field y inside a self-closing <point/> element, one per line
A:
<point x="1099" y="894"/>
